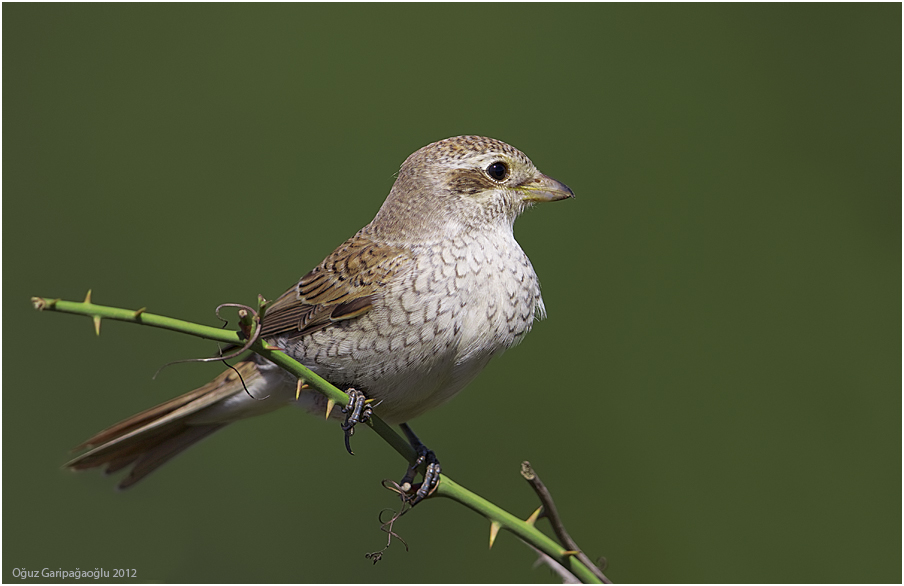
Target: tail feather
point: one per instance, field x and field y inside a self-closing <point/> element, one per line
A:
<point x="147" y="416"/>
<point x="151" y="438"/>
<point x="151" y="459"/>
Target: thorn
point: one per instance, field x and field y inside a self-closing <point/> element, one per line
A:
<point x="329" y="407"/>
<point x="267" y="346"/>
<point x="300" y="387"/>
<point x="88" y="297"/>
<point x="494" y="531"/>
<point x="534" y="516"/>
<point x="569" y="552"/>
<point x="139" y="311"/>
<point x="96" y="324"/>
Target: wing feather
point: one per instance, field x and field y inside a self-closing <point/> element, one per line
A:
<point x="344" y="286"/>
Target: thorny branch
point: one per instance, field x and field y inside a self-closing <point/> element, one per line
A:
<point x="571" y="561"/>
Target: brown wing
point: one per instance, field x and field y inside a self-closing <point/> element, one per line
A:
<point x="343" y="286"/>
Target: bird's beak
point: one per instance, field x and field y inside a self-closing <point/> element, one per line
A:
<point x="543" y="188"/>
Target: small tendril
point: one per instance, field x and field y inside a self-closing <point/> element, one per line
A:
<point x="242" y="380"/>
<point x="387" y="528"/>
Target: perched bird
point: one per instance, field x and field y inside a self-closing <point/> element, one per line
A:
<point x="406" y="312"/>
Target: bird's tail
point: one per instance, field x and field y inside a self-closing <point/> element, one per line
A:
<point x="151" y="438"/>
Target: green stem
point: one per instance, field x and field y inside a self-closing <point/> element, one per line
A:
<point x="447" y="487"/>
<point x="138" y="316"/>
<point x="278" y="357"/>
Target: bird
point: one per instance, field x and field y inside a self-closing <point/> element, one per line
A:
<point x="404" y="314"/>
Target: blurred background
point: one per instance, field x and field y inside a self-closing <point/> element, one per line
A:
<point x="715" y="397"/>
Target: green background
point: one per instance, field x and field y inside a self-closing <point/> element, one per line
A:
<point x="716" y="394"/>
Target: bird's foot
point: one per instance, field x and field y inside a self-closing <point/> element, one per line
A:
<point x="431" y="478"/>
<point x="431" y="472"/>
<point x="358" y="411"/>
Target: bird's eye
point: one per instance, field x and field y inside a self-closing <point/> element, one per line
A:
<point x="498" y="171"/>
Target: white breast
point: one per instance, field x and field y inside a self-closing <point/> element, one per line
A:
<point x="435" y="328"/>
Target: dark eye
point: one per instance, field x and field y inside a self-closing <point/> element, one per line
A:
<point x="498" y="170"/>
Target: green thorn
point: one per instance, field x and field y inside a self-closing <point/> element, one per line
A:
<point x="329" y="407"/>
<point x="87" y="298"/>
<point x="494" y="531"/>
<point x="97" y="324"/>
<point x="533" y="518"/>
<point x="300" y="387"/>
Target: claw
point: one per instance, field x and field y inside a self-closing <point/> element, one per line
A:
<point x="431" y="473"/>
<point x="431" y="481"/>
<point x="348" y="445"/>
<point x="359" y="411"/>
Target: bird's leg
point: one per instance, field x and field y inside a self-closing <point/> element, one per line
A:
<point x="358" y="412"/>
<point x="431" y="473"/>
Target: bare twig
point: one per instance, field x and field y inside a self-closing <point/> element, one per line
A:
<point x="550" y="512"/>
<point x="560" y="570"/>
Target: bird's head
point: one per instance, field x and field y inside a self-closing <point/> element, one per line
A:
<point x="463" y="183"/>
